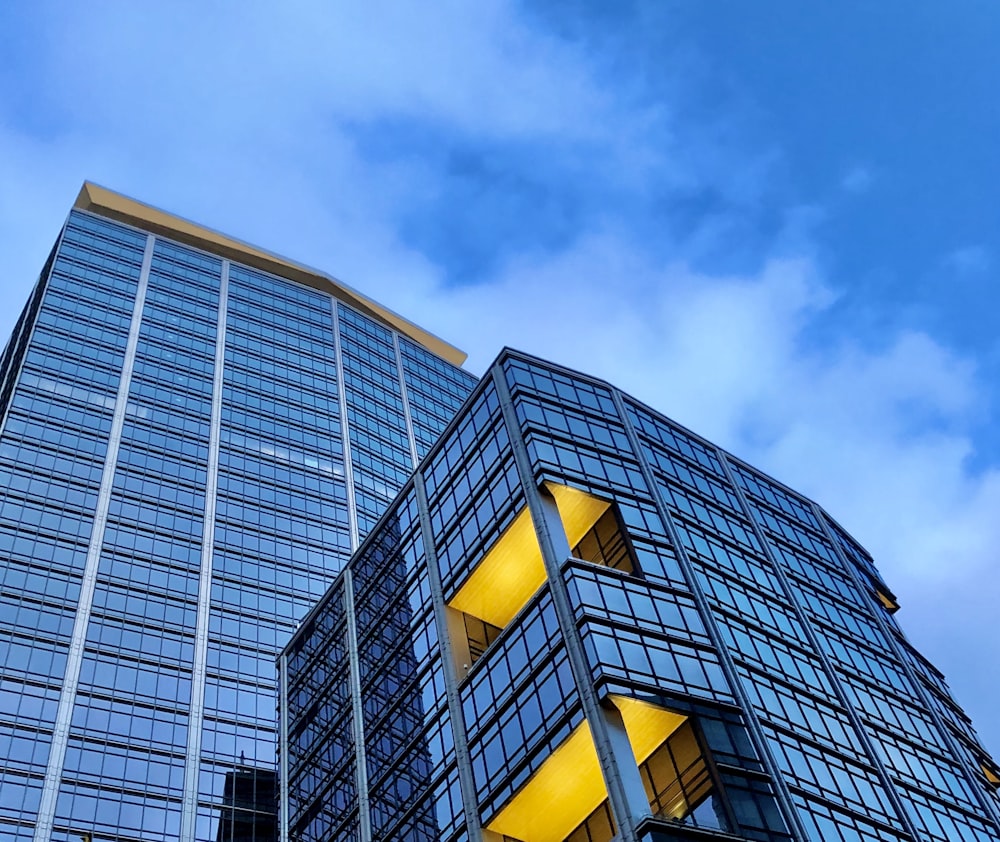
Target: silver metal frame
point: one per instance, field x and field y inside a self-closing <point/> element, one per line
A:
<point x="74" y="660"/>
<point x="192" y="760"/>
<point x="357" y="708"/>
<point x="621" y="775"/>
<point x="345" y="433"/>
<point x="817" y="649"/>
<point x="406" y="400"/>
<point x="991" y="809"/>
<point x="467" y="786"/>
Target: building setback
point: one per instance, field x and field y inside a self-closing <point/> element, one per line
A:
<point x="194" y="436"/>
<point x="579" y="619"/>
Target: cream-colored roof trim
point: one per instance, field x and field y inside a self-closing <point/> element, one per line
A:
<point x="100" y="200"/>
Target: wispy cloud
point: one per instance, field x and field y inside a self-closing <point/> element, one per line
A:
<point x="858" y="179"/>
<point x="969" y="260"/>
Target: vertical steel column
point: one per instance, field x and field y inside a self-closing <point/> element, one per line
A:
<point x="357" y="708"/>
<point x="467" y="785"/>
<point x="74" y="660"/>
<point x="784" y="799"/>
<point x="345" y="434"/>
<point x="406" y="400"/>
<point x="882" y="622"/>
<point x="813" y="641"/>
<point x="283" y="748"/>
<point x="192" y="758"/>
<point x="621" y="775"/>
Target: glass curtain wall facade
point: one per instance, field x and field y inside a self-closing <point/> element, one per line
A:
<point x="579" y="620"/>
<point x="191" y="449"/>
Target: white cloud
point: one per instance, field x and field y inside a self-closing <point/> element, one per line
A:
<point x="880" y="437"/>
<point x="858" y="179"/>
<point x="245" y="122"/>
<point x="969" y="260"/>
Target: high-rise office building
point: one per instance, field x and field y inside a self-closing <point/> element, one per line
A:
<point x="581" y="621"/>
<point x="195" y="435"/>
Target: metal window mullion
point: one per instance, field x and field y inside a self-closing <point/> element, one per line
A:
<point x="192" y="760"/>
<point x="784" y="799"/>
<point x="883" y="623"/>
<point x="357" y="710"/>
<point x="406" y="400"/>
<point x="467" y="786"/>
<point x="617" y="789"/>
<point x="789" y="592"/>
<point x="345" y="434"/>
<point x="283" y="748"/>
<point x="74" y="659"/>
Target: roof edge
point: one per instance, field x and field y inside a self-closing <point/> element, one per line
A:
<point x="105" y="202"/>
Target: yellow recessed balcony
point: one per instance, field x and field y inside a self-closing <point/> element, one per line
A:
<point x="512" y="571"/>
<point x="593" y="528"/>
<point x="568" y="787"/>
<point x="992" y="775"/>
<point x="507" y="577"/>
<point x="646" y="724"/>
<point x="888" y="602"/>
<point x="578" y="510"/>
<point x="564" y="790"/>
<point x="501" y="584"/>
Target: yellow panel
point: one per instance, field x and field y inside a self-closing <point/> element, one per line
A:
<point x="578" y="510"/>
<point x="113" y="205"/>
<point x="991" y="776"/>
<point x="887" y="601"/>
<point x="647" y="725"/>
<point x="506" y="578"/>
<point x="564" y="790"/>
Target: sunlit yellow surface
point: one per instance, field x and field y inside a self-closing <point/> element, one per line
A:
<point x="116" y="206"/>
<point x="887" y="601"/>
<point x="506" y="578"/>
<point x="578" y="510"/>
<point x="647" y="725"/>
<point x="991" y="775"/>
<point x="566" y="789"/>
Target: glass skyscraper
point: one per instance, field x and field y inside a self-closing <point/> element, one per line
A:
<point x="195" y="436"/>
<point x="580" y="621"/>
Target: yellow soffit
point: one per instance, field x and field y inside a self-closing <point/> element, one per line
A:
<point x="507" y="577"/>
<point x="578" y="510"/>
<point x="647" y="725"/>
<point x="888" y="602"/>
<point x="562" y="792"/>
<point x="115" y="206"/>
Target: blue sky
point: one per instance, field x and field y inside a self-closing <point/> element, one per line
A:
<point x="776" y="222"/>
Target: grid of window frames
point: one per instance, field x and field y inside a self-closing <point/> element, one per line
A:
<point x="409" y="745"/>
<point x="322" y="792"/>
<point x="435" y="391"/>
<point x="641" y="628"/>
<point x="925" y="681"/>
<point x="279" y="521"/>
<point x="864" y="660"/>
<point x="381" y="460"/>
<point x="280" y="530"/>
<point x="53" y="448"/>
<point x="740" y="609"/>
<point x="770" y="647"/>
<point x="139" y="646"/>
